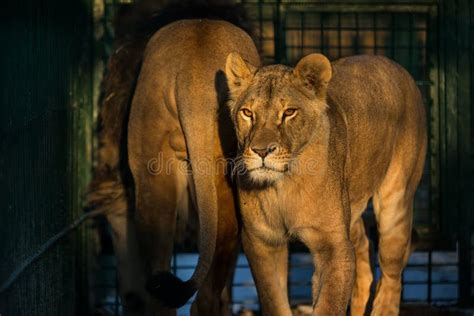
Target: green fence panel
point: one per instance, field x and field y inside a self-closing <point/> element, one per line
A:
<point x="44" y="143"/>
<point x="456" y="147"/>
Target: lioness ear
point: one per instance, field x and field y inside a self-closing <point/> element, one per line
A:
<point x="239" y="73"/>
<point x="314" y="72"/>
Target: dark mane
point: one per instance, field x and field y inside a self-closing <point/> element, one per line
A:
<point x="142" y="20"/>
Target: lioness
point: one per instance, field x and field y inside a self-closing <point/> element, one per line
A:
<point x="317" y="142"/>
<point x="178" y="129"/>
<point x="176" y="115"/>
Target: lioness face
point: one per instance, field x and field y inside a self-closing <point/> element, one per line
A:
<point x="275" y="110"/>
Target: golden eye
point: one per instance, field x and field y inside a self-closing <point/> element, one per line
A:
<point x="289" y="112"/>
<point x="247" y="113"/>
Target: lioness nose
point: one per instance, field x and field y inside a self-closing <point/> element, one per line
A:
<point x="265" y="151"/>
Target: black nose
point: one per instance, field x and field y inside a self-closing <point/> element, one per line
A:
<point x="265" y="151"/>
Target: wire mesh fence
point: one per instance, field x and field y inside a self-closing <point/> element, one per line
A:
<point x="430" y="277"/>
<point x="288" y="30"/>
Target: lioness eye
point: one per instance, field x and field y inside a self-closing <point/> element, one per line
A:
<point x="289" y="112"/>
<point x="247" y="112"/>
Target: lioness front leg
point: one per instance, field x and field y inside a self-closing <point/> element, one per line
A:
<point x="269" y="267"/>
<point x="364" y="277"/>
<point x="334" y="271"/>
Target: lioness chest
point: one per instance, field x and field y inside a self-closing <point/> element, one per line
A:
<point x="284" y="210"/>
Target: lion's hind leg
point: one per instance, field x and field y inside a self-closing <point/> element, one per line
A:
<point x="393" y="207"/>
<point x="160" y="179"/>
<point x="393" y="210"/>
<point x="364" y="277"/>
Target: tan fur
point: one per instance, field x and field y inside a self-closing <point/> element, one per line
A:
<point x="112" y="189"/>
<point x="176" y="113"/>
<point x="317" y="142"/>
